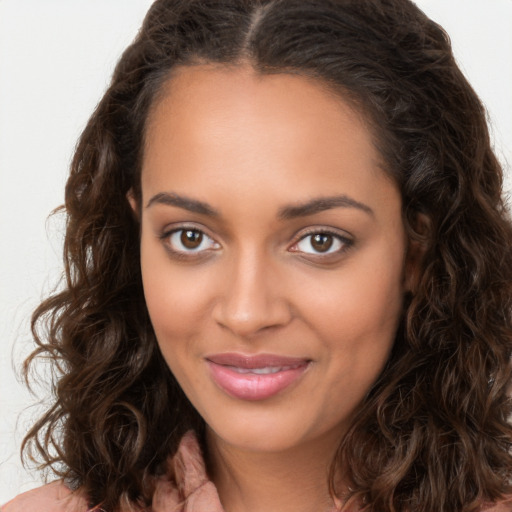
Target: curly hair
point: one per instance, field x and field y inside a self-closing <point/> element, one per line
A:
<point x="433" y="433"/>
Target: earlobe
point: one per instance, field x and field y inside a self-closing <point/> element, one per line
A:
<point x="420" y="234"/>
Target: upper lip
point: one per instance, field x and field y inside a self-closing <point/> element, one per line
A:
<point x="256" y="361"/>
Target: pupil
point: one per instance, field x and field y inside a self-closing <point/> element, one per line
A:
<point x="191" y="239"/>
<point x="321" y="242"/>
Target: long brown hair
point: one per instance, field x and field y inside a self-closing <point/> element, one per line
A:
<point x="433" y="433"/>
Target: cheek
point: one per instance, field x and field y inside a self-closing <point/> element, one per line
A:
<point x="360" y="319"/>
<point x="362" y="300"/>
<point x="175" y="307"/>
<point x="175" y="296"/>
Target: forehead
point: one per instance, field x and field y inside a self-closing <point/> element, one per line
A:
<point x="217" y="91"/>
<point x="227" y="127"/>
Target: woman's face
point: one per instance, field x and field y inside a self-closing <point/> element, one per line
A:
<point x="272" y="252"/>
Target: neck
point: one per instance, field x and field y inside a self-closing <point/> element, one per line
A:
<point x="291" y="480"/>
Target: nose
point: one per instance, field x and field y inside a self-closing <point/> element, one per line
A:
<point x="251" y="298"/>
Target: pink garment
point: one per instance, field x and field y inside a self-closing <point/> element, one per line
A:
<point x="184" y="488"/>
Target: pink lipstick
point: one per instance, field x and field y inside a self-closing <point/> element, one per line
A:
<point x="255" y="377"/>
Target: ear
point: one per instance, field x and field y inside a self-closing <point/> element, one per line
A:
<point x="419" y="240"/>
<point x="134" y="204"/>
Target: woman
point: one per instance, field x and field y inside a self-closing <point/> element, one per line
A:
<point x="318" y="317"/>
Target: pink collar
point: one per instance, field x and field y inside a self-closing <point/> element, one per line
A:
<point x="186" y="487"/>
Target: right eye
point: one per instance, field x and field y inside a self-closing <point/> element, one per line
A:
<point x="189" y="241"/>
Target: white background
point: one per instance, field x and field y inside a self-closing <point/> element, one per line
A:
<point x="56" y="57"/>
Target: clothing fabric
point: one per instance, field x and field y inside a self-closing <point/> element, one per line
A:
<point x="184" y="488"/>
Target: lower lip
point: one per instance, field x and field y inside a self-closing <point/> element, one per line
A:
<point x="251" y="386"/>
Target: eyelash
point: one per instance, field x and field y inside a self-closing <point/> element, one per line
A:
<point x="189" y="254"/>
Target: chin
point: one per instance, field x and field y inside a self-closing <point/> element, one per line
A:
<point x="265" y="432"/>
<point x="264" y="440"/>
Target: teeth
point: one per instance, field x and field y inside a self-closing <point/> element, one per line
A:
<point x="267" y="370"/>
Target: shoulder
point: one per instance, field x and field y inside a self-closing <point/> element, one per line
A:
<point x="54" y="497"/>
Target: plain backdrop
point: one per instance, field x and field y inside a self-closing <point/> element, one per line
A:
<point x="56" y="57"/>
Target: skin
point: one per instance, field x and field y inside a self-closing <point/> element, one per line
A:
<point x="250" y="146"/>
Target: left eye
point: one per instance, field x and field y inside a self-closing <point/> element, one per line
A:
<point x="320" y="243"/>
<point x="188" y="240"/>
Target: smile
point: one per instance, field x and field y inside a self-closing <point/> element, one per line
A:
<point x="255" y="377"/>
<point x="263" y="371"/>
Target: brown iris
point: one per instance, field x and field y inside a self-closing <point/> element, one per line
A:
<point x="191" y="238"/>
<point x="321" y="242"/>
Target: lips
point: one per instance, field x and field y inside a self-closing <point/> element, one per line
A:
<point x="257" y="377"/>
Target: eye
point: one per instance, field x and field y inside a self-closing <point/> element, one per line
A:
<point x="189" y="240"/>
<point x="321" y="242"/>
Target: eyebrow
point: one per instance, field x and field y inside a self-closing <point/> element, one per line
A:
<point x="311" y="207"/>
<point x="187" y="203"/>
<point x="321" y="204"/>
